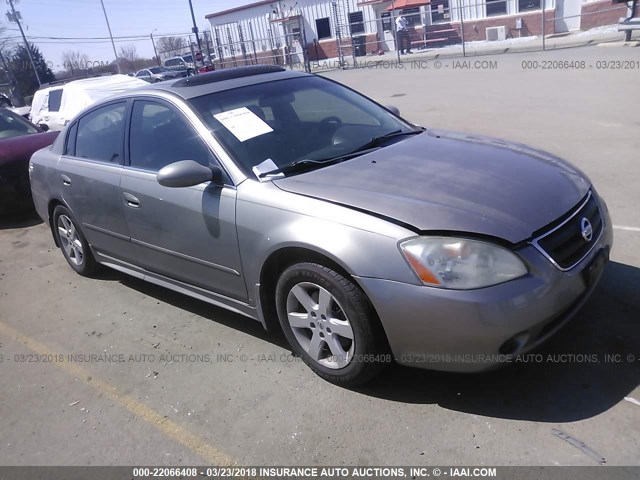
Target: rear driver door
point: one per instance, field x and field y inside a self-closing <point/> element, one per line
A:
<point x="89" y="173"/>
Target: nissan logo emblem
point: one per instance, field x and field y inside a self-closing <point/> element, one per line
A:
<point x="586" y="230"/>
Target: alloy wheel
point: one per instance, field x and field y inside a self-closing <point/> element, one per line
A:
<point x="320" y="325"/>
<point x="70" y="240"/>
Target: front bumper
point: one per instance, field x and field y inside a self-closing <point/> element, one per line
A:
<point x="476" y="330"/>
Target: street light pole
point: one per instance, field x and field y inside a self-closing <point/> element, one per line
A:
<point x="26" y="44"/>
<point x="111" y="36"/>
<point x="154" y="48"/>
<point x="195" y="29"/>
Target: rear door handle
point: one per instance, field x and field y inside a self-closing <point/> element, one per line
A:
<point x="66" y="181"/>
<point x="130" y="200"/>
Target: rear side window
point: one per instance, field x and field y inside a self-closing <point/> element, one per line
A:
<point x="70" y="145"/>
<point x="171" y="63"/>
<point x="100" y="134"/>
<point x="55" y="99"/>
<point x="160" y="136"/>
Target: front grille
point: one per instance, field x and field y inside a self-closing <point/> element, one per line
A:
<point x="565" y="245"/>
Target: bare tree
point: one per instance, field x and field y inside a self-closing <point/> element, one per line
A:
<point x="6" y="72"/>
<point x="131" y="61"/>
<point x="75" y="61"/>
<point x="128" y="53"/>
<point x="171" y="46"/>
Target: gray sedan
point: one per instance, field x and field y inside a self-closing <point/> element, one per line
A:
<point x="156" y="74"/>
<point x="297" y="202"/>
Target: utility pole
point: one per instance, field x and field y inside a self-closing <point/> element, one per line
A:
<point x="110" y="35"/>
<point x="154" y="48"/>
<point x="195" y="30"/>
<point x="16" y="18"/>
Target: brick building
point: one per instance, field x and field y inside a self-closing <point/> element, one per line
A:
<point x="282" y="29"/>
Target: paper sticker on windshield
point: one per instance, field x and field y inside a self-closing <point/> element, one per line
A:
<point x="243" y="123"/>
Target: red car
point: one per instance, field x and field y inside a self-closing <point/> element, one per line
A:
<point x="19" y="139"/>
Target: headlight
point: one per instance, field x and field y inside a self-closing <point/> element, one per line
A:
<point x="460" y="263"/>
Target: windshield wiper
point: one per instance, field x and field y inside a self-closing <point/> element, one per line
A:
<point x="372" y="144"/>
<point x="377" y="141"/>
<point x="302" y="164"/>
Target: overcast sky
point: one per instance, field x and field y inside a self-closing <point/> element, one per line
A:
<point x="84" y="18"/>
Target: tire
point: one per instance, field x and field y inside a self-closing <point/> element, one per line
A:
<point x="319" y="310"/>
<point x="74" y="245"/>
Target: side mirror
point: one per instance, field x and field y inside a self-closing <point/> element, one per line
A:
<point x="44" y="127"/>
<point x="393" y="109"/>
<point x="187" y="173"/>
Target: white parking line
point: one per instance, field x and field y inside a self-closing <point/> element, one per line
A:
<point x="628" y="229"/>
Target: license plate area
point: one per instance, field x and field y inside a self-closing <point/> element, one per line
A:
<point x="592" y="272"/>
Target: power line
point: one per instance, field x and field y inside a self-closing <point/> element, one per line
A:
<point x="121" y="37"/>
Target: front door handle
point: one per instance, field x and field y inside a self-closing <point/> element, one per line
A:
<point x="66" y="181"/>
<point x="131" y="201"/>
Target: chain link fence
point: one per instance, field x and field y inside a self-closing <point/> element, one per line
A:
<point x="360" y="31"/>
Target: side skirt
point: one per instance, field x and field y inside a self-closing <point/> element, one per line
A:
<point x="198" y="293"/>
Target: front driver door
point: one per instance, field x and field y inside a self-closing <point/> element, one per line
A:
<point x="188" y="234"/>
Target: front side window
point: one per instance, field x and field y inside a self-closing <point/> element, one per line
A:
<point x="70" y="144"/>
<point x="305" y="118"/>
<point x="100" y="134"/>
<point x="159" y="136"/>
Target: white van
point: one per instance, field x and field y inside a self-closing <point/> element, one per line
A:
<point x="56" y="105"/>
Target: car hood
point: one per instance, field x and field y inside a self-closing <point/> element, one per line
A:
<point x="446" y="181"/>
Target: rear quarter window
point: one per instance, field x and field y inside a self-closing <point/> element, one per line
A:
<point x="70" y="142"/>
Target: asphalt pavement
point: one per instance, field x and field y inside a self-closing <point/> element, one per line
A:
<point x="115" y="371"/>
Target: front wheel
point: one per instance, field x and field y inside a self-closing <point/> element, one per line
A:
<point x="330" y="324"/>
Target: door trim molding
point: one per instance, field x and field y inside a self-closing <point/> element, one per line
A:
<point x="186" y="257"/>
<point x="106" y="232"/>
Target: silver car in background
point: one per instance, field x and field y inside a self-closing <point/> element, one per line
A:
<point x="297" y="202"/>
<point x="157" y="74"/>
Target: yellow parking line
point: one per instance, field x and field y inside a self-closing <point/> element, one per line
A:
<point x="170" y="429"/>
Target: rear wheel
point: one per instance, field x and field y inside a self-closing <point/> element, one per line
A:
<point x="330" y="324"/>
<point x="74" y="245"/>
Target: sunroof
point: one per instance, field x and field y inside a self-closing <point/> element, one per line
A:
<point x="227" y="74"/>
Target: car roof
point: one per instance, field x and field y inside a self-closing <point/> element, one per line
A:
<point x="217" y="81"/>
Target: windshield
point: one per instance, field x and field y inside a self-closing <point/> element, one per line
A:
<point x="287" y="121"/>
<point x="12" y="125"/>
<point x="156" y="70"/>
